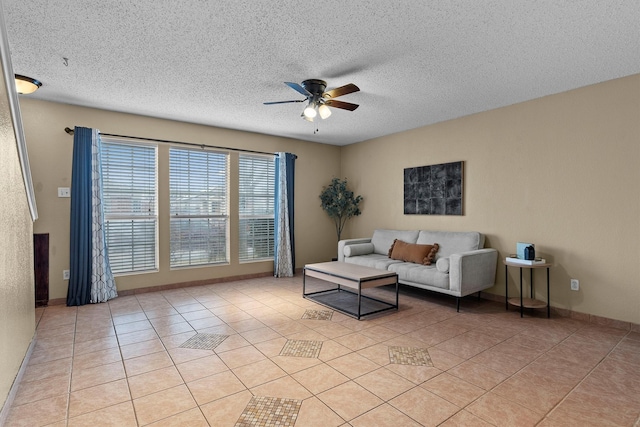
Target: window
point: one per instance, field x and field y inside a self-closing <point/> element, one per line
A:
<point x="256" y="207"/>
<point x="198" y="188"/>
<point x="129" y="174"/>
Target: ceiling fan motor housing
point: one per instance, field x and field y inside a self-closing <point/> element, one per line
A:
<point x="315" y="87"/>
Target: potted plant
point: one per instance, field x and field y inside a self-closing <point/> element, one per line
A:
<point x="339" y="203"/>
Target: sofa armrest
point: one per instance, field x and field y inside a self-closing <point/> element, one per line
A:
<point x="343" y="243"/>
<point x="472" y="271"/>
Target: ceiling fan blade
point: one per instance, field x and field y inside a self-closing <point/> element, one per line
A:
<point x="298" y="88"/>
<point x="342" y="90"/>
<point x="341" y="104"/>
<point x="283" y="102"/>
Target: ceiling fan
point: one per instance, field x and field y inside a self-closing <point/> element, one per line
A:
<point x="319" y="100"/>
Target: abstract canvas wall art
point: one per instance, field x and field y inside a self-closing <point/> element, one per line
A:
<point x="434" y="189"/>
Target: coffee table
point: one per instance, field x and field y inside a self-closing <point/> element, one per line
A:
<point x="350" y="279"/>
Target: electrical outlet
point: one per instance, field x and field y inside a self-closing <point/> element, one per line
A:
<point x="65" y="274"/>
<point x="64" y="192"/>
<point x="575" y="285"/>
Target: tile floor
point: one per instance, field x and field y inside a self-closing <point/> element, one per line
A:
<point x="123" y="363"/>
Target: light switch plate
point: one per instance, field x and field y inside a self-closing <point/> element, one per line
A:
<point x="64" y="192"/>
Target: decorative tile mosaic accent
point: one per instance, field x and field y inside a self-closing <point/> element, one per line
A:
<point x="301" y="348"/>
<point x="410" y="356"/>
<point x="204" y="341"/>
<point x="317" y="314"/>
<point x="269" y="412"/>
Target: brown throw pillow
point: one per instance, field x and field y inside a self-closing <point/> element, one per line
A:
<point x="411" y="252"/>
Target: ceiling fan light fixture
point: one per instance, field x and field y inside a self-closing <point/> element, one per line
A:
<point x="26" y="85"/>
<point x="310" y="112"/>
<point x="319" y="99"/>
<point x="324" y="111"/>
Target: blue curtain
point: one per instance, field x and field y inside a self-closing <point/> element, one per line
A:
<point x="90" y="279"/>
<point x="284" y="251"/>
<point x="79" y="292"/>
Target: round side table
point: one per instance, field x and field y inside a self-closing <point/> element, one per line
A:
<point x="521" y="301"/>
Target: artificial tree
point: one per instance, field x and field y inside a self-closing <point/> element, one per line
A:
<point x="339" y="203"/>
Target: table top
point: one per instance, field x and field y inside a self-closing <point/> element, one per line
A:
<point x="516" y="264"/>
<point x="348" y="270"/>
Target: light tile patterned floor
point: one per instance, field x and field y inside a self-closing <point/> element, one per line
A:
<point x="204" y="341"/>
<point x="409" y="356"/>
<point x="124" y="363"/>
<point x="301" y="348"/>
<point x="318" y="314"/>
<point x="270" y="412"/>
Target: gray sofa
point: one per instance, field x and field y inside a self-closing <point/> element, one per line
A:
<point x="462" y="265"/>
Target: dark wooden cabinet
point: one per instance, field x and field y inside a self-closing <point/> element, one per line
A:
<point x="41" y="268"/>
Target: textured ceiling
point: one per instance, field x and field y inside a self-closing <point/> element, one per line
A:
<point x="416" y="62"/>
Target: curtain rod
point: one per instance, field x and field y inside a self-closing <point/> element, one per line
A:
<point x="192" y="144"/>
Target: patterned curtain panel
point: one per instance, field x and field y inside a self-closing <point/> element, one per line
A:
<point x="103" y="285"/>
<point x="90" y="279"/>
<point x="284" y="253"/>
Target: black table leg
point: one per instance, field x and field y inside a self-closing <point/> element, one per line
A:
<point x="531" y="284"/>
<point x="359" y="298"/>
<point x="506" y="287"/>
<point x="397" y="304"/>
<point x="548" y="297"/>
<point x="521" y="302"/>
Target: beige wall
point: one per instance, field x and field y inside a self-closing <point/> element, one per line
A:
<point x="561" y="171"/>
<point x="17" y="316"/>
<point x="50" y="152"/>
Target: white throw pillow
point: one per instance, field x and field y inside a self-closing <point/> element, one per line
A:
<point x="442" y="265"/>
<point x="358" y="249"/>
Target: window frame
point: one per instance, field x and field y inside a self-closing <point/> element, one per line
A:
<point x="225" y="217"/>
<point x="269" y="196"/>
<point x="106" y="142"/>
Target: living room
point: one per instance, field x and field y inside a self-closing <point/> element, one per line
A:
<point x="566" y="210"/>
<point x="559" y="171"/>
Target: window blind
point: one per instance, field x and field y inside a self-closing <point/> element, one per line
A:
<point x="129" y="174"/>
<point x="198" y="195"/>
<point x="256" y="207"/>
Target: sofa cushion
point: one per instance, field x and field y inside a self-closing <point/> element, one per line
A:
<point x="383" y="239"/>
<point x="411" y="252"/>
<point x="381" y="262"/>
<point x="442" y="265"/>
<point x="452" y="242"/>
<point x="358" y="249"/>
<point x="421" y="274"/>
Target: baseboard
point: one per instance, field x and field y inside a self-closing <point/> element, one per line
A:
<point x="585" y="317"/>
<point x="4" y="412"/>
